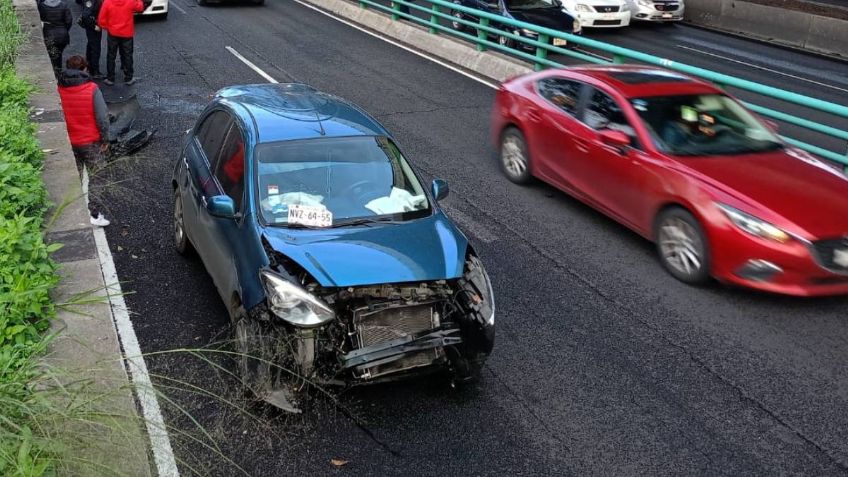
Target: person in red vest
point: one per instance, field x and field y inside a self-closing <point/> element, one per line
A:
<point x="87" y="120"/>
<point x="117" y="18"/>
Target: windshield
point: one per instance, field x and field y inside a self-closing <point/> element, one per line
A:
<point x="530" y="4"/>
<point x="704" y="125"/>
<point x="327" y="182"/>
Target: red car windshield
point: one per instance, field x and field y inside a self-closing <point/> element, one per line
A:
<point x="704" y="125"/>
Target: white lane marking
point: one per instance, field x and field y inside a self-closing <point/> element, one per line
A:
<point x="160" y="443"/>
<point x="252" y="66"/>
<point x="400" y="45"/>
<point x="172" y="3"/>
<point x="763" y="68"/>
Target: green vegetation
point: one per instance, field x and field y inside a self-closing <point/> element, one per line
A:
<point x="26" y="273"/>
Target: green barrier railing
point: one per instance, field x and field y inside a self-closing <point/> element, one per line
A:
<point x="536" y="51"/>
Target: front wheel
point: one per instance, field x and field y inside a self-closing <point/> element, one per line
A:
<point x="515" y="159"/>
<point x="506" y="41"/>
<point x="682" y="246"/>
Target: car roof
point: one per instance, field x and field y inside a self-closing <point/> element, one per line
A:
<point x="637" y="81"/>
<point x="292" y="111"/>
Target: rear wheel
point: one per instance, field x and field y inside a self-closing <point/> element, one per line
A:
<point x="682" y="246"/>
<point x="515" y="159"/>
<point x="506" y="41"/>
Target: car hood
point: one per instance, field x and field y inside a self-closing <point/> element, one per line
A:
<point x="552" y="18"/>
<point x="790" y="185"/>
<point x="430" y="248"/>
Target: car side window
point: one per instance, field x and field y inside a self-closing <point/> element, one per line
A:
<point x="211" y="134"/>
<point x="229" y="169"/>
<point x="563" y="93"/>
<point x="603" y="112"/>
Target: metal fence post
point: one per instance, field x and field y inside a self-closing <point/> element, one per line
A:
<point x="363" y="5"/>
<point x="434" y="20"/>
<point x="541" y="52"/>
<point x="617" y="59"/>
<point x="482" y="34"/>
<point x="395" y="10"/>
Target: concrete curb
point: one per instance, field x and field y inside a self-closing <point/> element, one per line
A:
<point x="487" y="64"/>
<point x="88" y="346"/>
<point x="787" y="27"/>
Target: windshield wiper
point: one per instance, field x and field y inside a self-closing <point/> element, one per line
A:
<point x="366" y="221"/>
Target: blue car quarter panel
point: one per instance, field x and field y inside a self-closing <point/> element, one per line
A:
<point x="425" y="249"/>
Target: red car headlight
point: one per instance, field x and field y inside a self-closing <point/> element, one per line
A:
<point x="753" y="225"/>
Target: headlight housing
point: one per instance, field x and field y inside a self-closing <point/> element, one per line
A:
<point x="527" y="32"/>
<point x="753" y="225"/>
<point x="583" y="8"/>
<point x="293" y="304"/>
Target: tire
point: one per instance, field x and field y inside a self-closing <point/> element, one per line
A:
<point x="181" y="242"/>
<point x="456" y="25"/>
<point x="514" y="156"/>
<point x="202" y="3"/>
<point x="162" y="16"/>
<point x="253" y="355"/>
<point x="506" y="41"/>
<point x="258" y="2"/>
<point x="682" y="246"/>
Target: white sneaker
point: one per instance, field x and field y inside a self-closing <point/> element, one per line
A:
<point x="99" y="221"/>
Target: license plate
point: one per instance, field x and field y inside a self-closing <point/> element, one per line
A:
<point x="608" y="16"/>
<point x="667" y="15"/>
<point x="310" y="215"/>
<point x="560" y="42"/>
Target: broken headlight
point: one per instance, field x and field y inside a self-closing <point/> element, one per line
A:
<point x="294" y="304"/>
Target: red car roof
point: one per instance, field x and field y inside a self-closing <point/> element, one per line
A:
<point x="637" y="81"/>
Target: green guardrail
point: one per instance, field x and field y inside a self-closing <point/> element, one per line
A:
<point x="536" y="51"/>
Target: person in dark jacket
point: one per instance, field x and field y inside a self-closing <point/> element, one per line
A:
<point x="117" y="17"/>
<point x="87" y="120"/>
<point x="56" y="21"/>
<point x="93" y="35"/>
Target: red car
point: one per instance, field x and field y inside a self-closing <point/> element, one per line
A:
<point x="684" y="165"/>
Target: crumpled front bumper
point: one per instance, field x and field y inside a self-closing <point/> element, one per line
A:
<point x="382" y="354"/>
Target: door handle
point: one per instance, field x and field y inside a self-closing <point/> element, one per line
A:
<point x="187" y="172"/>
<point x="203" y="200"/>
<point x="581" y="146"/>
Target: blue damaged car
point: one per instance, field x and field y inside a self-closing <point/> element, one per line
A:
<point x="336" y="264"/>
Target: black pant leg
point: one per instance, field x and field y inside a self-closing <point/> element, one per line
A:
<point x="92" y="49"/>
<point x="111" y="55"/>
<point x="127" y="58"/>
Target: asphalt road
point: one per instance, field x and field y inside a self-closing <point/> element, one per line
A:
<point x="603" y="364"/>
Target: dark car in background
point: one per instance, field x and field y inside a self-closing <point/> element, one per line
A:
<point x="335" y="263"/>
<point x="544" y="13"/>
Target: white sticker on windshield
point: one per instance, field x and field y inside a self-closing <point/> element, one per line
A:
<point x="312" y="216"/>
<point x="273" y="190"/>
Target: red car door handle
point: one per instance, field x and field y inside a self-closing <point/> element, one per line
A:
<point x="581" y="146"/>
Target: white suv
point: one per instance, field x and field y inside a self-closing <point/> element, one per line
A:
<point x="656" y="10"/>
<point x="598" y="13"/>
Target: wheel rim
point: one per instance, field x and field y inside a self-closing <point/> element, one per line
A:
<point x="680" y="246"/>
<point x="512" y="153"/>
<point x="455" y="24"/>
<point x="504" y="41"/>
<point x="179" y="228"/>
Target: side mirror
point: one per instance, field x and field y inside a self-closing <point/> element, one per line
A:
<point x="616" y="139"/>
<point x="440" y="189"/>
<point x="221" y="206"/>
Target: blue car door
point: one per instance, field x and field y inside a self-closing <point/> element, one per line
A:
<point x="200" y="184"/>
<point x="224" y="247"/>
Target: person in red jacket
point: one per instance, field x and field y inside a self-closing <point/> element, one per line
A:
<point x="117" y="18"/>
<point x="87" y="120"/>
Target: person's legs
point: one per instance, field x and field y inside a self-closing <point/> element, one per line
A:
<point x="127" y="58"/>
<point x="111" y="55"/>
<point x="55" y="54"/>
<point x="92" y="50"/>
<point x="91" y="157"/>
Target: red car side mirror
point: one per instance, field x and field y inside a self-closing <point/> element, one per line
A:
<point x="614" y="138"/>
